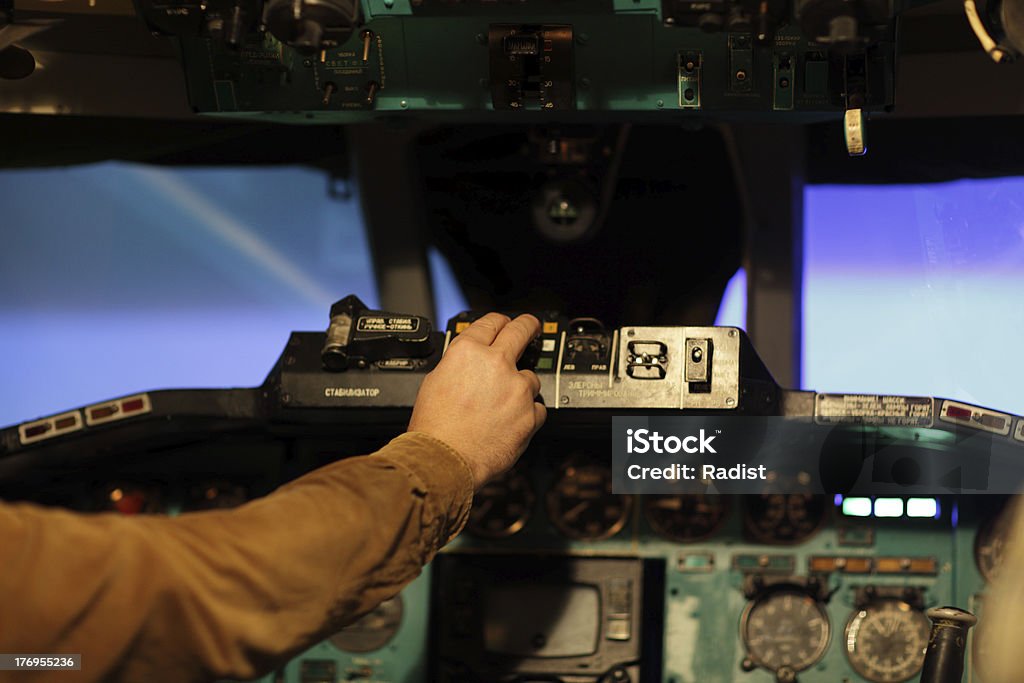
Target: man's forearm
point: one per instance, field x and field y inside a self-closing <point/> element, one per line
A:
<point x="228" y="593"/>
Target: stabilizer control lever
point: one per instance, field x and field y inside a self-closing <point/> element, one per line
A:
<point x="358" y="336"/>
<point x="944" y="659"/>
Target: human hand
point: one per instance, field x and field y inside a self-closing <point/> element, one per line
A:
<point x="477" y="402"/>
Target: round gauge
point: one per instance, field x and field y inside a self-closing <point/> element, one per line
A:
<point x="502" y="507"/>
<point x="373" y="631"/>
<point x="779" y="518"/>
<point x="990" y="543"/>
<point x="215" y="495"/>
<point x="129" y="499"/>
<point x="686" y="517"/>
<point x="886" y="640"/>
<point x="582" y="506"/>
<point x="785" y="629"/>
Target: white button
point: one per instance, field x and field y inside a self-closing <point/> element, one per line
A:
<point x="547" y="345"/>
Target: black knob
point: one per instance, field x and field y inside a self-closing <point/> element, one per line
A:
<point x="947" y="644"/>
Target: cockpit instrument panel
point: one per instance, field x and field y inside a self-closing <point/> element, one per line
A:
<point x="558" y="577"/>
<point x="344" y="61"/>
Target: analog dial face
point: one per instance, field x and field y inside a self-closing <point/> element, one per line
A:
<point x="502" y="507"/>
<point x="373" y="631"/>
<point x="779" y="518"/>
<point x="990" y="544"/>
<point x="785" y="629"/>
<point x="886" y="641"/>
<point x="686" y="517"/>
<point x="582" y="506"/>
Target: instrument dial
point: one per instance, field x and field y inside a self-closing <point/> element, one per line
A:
<point x="886" y="641"/>
<point x="686" y="517"/>
<point x="990" y="544"/>
<point x="785" y="629"/>
<point x="373" y="631"/>
<point x="502" y="507"/>
<point x="782" y="519"/>
<point x="582" y="506"/>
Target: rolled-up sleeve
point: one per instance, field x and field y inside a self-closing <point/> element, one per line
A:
<point x="227" y="594"/>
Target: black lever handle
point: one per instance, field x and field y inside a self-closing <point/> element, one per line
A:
<point x="947" y="644"/>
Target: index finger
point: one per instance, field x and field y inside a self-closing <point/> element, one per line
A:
<point x="485" y="328"/>
<point x="516" y="336"/>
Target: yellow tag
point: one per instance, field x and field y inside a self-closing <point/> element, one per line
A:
<point x="460" y="327"/>
<point x="551" y="328"/>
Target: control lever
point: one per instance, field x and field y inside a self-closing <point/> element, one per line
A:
<point x="358" y="336"/>
<point x="947" y="644"/>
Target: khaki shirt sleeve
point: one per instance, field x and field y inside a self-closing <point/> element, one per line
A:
<point x="226" y="594"/>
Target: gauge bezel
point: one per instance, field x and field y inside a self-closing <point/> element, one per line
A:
<point x="987" y="531"/>
<point x="666" y="534"/>
<point x="396" y="600"/>
<point x="520" y="523"/>
<point x="757" y="537"/>
<point x="775" y="593"/>
<point x="551" y="503"/>
<point x="859" y="615"/>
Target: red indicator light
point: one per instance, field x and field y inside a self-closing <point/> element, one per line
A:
<point x="958" y="413"/>
<point x="133" y="405"/>
<point x="100" y="413"/>
<point x="65" y="422"/>
<point x="37" y="430"/>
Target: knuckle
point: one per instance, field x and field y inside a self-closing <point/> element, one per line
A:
<point x="456" y="348"/>
<point x="492" y="320"/>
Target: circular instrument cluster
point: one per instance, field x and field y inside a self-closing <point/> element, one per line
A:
<point x="886" y="640"/>
<point x="373" y="631"/>
<point x="686" y="517"/>
<point x="990" y="543"/>
<point x="785" y="631"/>
<point x="582" y="506"/>
<point x="502" y="507"/>
<point x="784" y="519"/>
